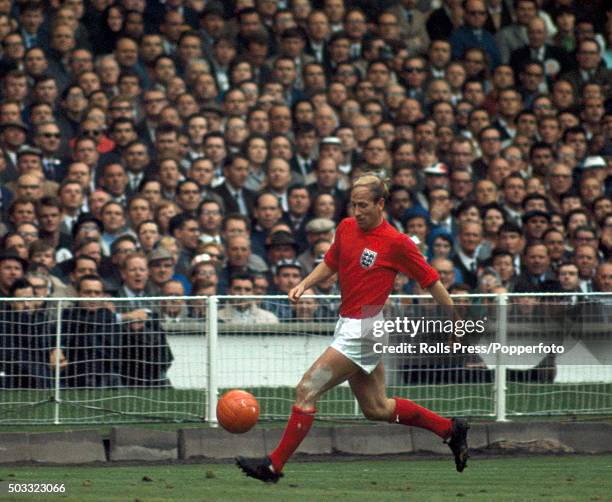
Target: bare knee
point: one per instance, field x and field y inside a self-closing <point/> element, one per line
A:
<point x="378" y="412"/>
<point x="311" y="386"/>
<point x="306" y="396"/>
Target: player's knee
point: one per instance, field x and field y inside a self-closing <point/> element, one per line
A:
<point x="378" y="413"/>
<point x="305" y="392"/>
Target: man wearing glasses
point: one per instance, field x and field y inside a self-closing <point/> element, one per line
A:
<point x="473" y="34"/>
<point x="48" y="139"/>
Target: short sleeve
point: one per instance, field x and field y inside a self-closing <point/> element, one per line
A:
<point x="411" y="262"/>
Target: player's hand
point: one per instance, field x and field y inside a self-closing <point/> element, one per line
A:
<point x="296" y="293"/>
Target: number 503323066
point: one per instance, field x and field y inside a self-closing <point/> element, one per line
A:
<point x="38" y="488"/>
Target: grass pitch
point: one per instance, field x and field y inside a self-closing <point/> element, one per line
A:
<point x="134" y="405"/>
<point x="566" y="478"/>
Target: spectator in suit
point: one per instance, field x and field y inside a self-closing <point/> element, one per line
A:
<point x="412" y="25"/>
<point x="317" y="29"/>
<point x="442" y="21"/>
<point x="239" y="259"/>
<point x="236" y="198"/>
<point x="122" y="246"/>
<point x="185" y="229"/>
<point x="91" y="341"/>
<point x="302" y="163"/>
<point x="27" y="340"/>
<point x="135" y="275"/>
<point x="154" y="101"/>
<point x="145" y="355"/>
<point x="298" y="200"/>
<point x="210" y="217"/>
<point x="590" y="69"/>
<point x="514" y="36"/>
<point x="469" y="238"/>
<point x="473" y="34"/>
<point x="327" y="178"/>
<point x="115" y="181"/>
<point x="556" y="61"/>
<point x="267" y="212"/>
<point x="585" y="258"/>
<point x="537" y="274"/>
<point x="31" y="19"/>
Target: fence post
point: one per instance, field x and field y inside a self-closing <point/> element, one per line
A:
<point x="58" y="348"/>
<point x="211" y="341"/>
<point x="500" y="369"/>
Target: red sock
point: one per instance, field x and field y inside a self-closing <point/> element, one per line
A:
<point x="297" y="428"/>
<point x="409" y="413"/>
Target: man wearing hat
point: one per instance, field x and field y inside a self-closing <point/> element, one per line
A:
<point x="281" y="245"/>
<point x="318" y="229"/>
<point x="211" y="111"/>
<point x="161" y="269"/>
<point x="595" y="165"/>
<point x="535" y="223"/>
<point x="12" y="267"/>
<point x="287" y="274"/>
<point x="13" y="136"/>
<point x="29" y="163"/>
<point x="436" y="176"/>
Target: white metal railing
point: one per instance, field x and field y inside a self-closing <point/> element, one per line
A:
<point x="210" y="356"/>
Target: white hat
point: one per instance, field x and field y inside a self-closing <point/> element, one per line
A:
<point x="594" y="162"/>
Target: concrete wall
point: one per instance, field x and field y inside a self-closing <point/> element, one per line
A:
<point x="133" y="444"/>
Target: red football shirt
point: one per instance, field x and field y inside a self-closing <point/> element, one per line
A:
<point x="367" y="263"/>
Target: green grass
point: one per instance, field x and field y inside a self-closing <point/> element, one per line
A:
<point x="167" y="405"/>
<point x="128" y="405"/>
<point x="568" y="478"/>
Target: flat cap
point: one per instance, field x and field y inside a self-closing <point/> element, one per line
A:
<point x="319" y="225"/>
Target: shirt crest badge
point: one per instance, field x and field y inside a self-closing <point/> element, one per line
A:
<point x="368" y="257"/>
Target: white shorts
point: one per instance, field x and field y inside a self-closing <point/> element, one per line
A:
<point x="354" y="339"/>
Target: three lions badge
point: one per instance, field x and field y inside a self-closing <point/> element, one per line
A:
<point x="368" y="257"/>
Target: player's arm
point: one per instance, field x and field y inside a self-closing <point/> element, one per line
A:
<point x="320" y="273"/>
<point x="439" y="293"/>
<point x="441" y="296"/>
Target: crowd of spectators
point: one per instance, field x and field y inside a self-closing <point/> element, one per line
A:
<point x="185" y="147"/>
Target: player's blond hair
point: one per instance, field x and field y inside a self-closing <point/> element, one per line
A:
<point x="375" y="184"/>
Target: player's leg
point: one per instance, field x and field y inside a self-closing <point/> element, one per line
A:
<point x="369" y="389"/>
<point x="329" y="370"/>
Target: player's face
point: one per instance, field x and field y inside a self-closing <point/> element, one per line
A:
<point x="367" y="212"/>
